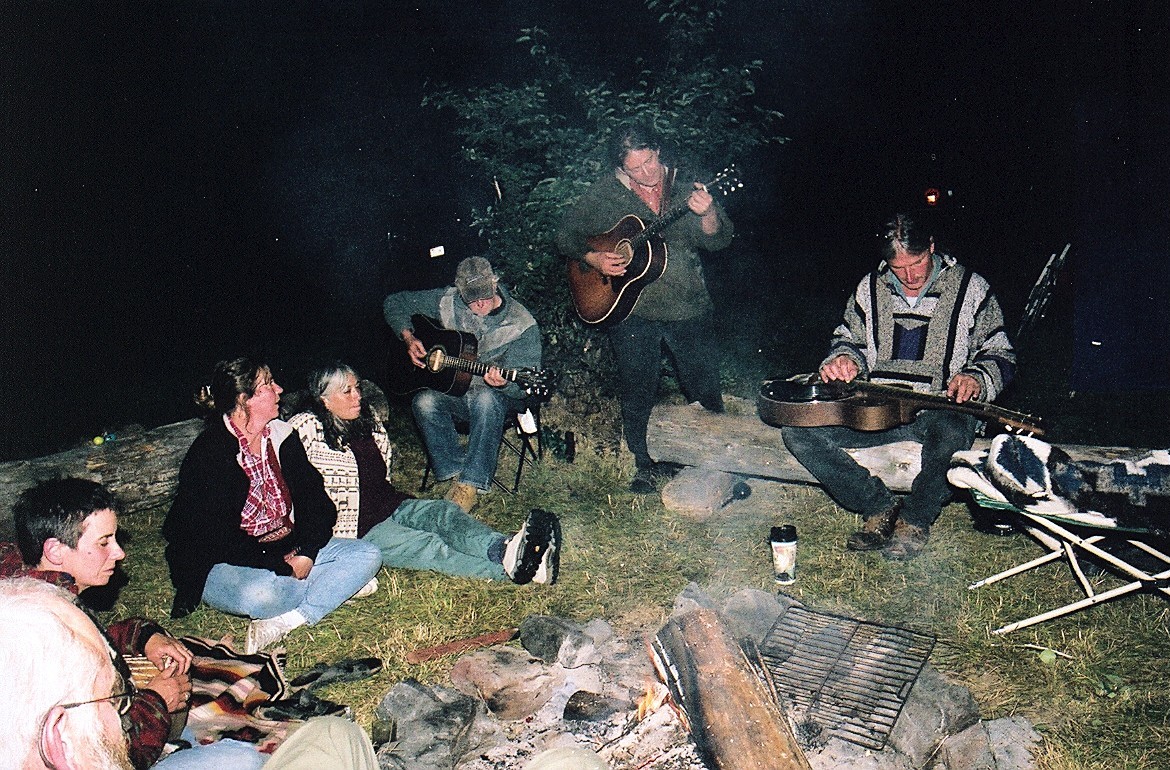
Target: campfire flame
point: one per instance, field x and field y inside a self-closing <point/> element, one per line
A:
<point x="656" y="694"/>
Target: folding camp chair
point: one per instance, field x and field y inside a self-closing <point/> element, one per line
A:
<point x="1057" y="535"/>
<point x="522" y="438"/>
<point x="1069" y="534"/>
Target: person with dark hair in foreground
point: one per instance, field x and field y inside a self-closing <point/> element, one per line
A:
<point x="350" y="448"/>
<point x="250" y="531"/>
<point x="67" y="534"/>
<point x="675" y="309"/>
<point x="921" y="320"/>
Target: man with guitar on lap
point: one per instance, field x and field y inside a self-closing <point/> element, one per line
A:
<point x="922" y="320"/>
<point x="507" y="336"/>
<point x="674" y="308"/>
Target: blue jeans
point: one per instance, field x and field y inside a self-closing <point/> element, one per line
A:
<point x="822" y="452"/>
<point x="485" y="410"/>
<point x="341" y="568"/>
<point x="437" y="535"/>
<point x="637" y="347"/>
<point x="226" y="754"/>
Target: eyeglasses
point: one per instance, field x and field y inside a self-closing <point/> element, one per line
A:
<point x="119" y="700"/>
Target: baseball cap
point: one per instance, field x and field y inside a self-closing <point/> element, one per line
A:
<point x="475" y="280"/>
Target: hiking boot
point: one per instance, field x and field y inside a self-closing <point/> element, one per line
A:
<point x="265" y="633"/>
<point x="463" y="495"/>
<point x="907" y="542"/>
<point x="526" y="551"/>
<point x="643" y="482"/>
<point x="875" y="531"/>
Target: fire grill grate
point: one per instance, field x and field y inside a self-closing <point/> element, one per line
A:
<point x="846" y="677"/>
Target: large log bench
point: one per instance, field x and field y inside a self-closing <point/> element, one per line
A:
<point x="738" y="442"/>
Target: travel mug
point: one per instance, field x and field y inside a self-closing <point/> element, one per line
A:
<point x="783" y="541"/>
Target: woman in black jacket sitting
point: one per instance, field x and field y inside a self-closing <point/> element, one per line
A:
<point x="251" y="529"/>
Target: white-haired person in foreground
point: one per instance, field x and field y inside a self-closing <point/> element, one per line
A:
<point x="62" y="699"/>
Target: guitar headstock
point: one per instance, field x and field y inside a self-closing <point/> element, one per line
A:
<point x="535" y="382"/>
<point x="725" y="182"/>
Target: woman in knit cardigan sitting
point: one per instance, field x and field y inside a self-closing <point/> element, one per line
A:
<point x="350" y="448"/>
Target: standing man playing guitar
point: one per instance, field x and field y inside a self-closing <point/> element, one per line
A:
<point x="507" y="336"/>
<point x="673" y="309"/>
<point x="922" y="320"/>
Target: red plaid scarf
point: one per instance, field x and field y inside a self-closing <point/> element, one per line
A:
<point x="266" y="513"/>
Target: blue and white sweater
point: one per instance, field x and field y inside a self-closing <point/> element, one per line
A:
<point x="956" y="326"/>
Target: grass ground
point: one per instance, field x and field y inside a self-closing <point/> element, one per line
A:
<point x="1100" y="701"/>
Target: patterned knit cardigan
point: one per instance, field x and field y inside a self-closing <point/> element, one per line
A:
<point x="956" y="326"/>
<point x="339" y="468"/>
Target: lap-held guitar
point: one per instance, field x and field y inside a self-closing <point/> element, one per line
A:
<point x="604" y="300"/>
<point x="451" y="362"/>
<point x="806" y="402"/>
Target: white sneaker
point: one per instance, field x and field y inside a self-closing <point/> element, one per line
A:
<point x="368" y="589"/>
<point x="265" y="633"/>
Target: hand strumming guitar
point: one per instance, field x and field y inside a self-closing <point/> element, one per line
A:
<point x="414" y="348"/>
<point x="606" y="262"/>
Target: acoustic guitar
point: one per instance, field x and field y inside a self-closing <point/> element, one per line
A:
<point x="603" y="300"/>
<point x="451" y="362"/>
<point x="806" y="402"/>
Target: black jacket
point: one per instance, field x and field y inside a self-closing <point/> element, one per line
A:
<point x="202" y="528"/>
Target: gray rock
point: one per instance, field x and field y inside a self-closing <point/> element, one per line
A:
<point x="751" y="613"/>
<point x="699" y="491"/>
<point x="934" y="710"/>
<point x="556" y="639"/>
<point x="968" y="750"/>
<point x="1013" y="742"/>
<point x="431" y="726"/>
<point x="841" y="755"/>
<point x="692" y="597"/>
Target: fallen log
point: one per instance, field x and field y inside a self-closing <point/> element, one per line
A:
<point x="732" y="718"/>
<point x="738" y="442"/>
<point x="141" y="467"/>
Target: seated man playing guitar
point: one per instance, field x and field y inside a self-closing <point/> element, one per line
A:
<point x="922" y="320"/>
<point x="506" y="335"/>
<point x="646" y="303"/>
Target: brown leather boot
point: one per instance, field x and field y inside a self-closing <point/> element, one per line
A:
<point x="463" y="495"/>
<point x="875" y="531"/>
<point x="907" y="542"/>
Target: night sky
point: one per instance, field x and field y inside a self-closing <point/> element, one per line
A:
<point x="182" y="180"/>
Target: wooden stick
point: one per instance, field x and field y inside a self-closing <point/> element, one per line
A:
<point x="461" y="645"/>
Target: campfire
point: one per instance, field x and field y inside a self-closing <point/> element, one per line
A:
<point x="708" y="690"/>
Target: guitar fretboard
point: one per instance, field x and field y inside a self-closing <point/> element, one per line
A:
<point x="476" y="367"/>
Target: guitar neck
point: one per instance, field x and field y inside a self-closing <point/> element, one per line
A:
<point x="477" y="367"/>
<point x="979" y="409"/>
<point x="722" y="184"/>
